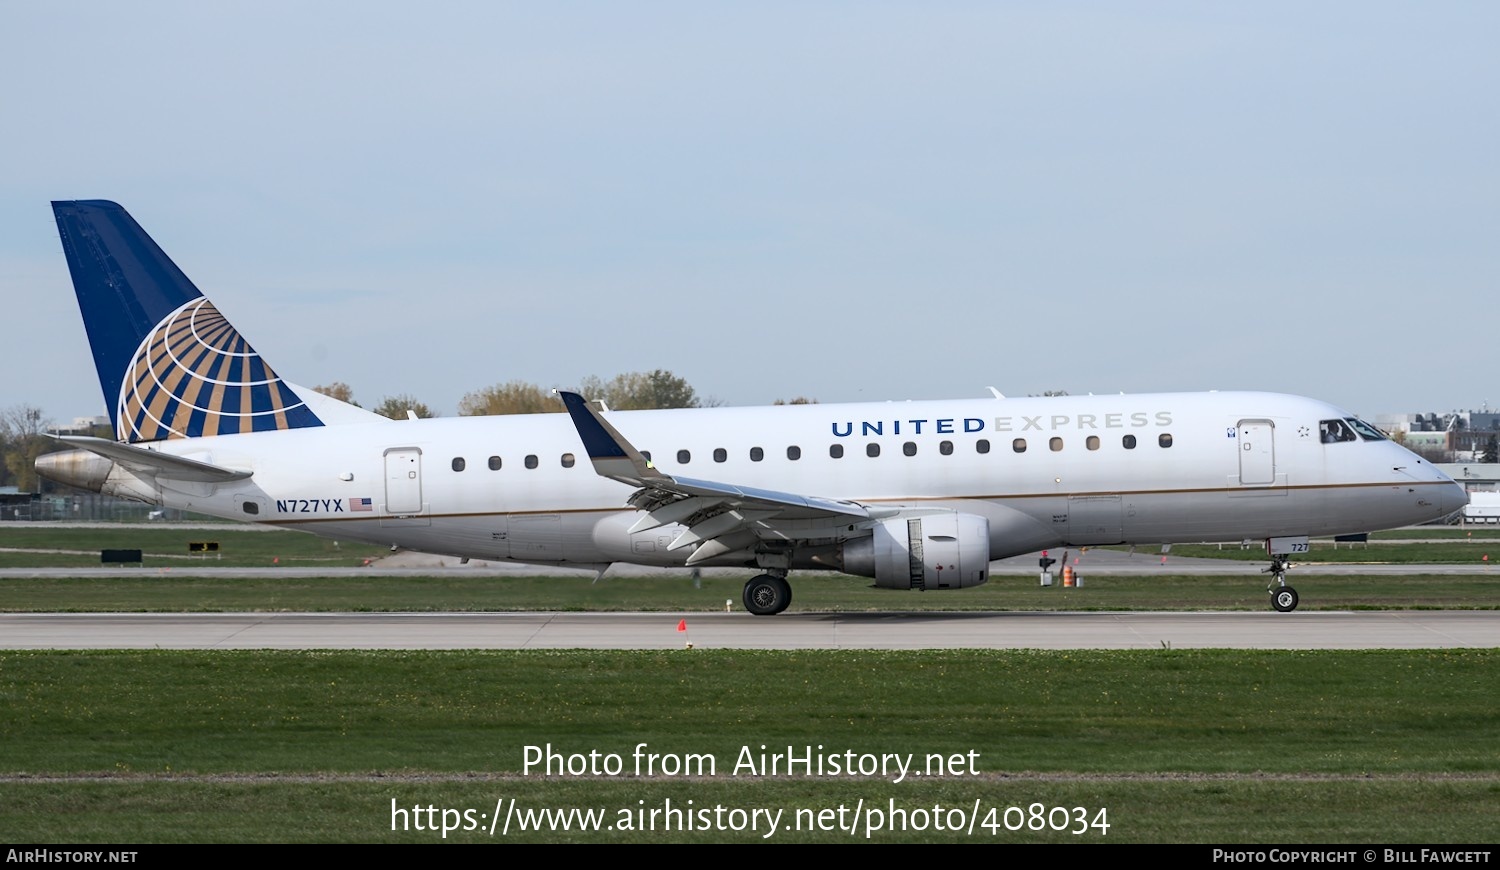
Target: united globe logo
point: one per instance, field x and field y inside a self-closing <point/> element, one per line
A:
<point x="195" y="375"/>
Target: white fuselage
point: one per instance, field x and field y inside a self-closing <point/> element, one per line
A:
<point x="1074" y="470"/>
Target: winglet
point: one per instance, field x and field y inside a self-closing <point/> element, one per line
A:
<point x="613" y="456"/>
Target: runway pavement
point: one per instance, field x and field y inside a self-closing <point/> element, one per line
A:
<point x="651" y="631"/>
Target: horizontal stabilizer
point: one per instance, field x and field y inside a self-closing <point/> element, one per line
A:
<point x="154" y="462"/>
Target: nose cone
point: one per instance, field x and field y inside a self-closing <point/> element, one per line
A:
<point x="1453" y="498"/>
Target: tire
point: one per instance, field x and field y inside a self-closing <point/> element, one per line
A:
<point x="767" y="595"/>
<point x="1284" y="599"/>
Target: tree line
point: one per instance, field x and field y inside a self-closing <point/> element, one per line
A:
<point x="23" y="437"/>
<point x="630" y="391"/>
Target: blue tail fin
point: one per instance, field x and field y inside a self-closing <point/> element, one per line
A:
<point x="171" y="366"/>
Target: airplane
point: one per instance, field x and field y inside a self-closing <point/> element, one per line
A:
<point x="916" y="495"/>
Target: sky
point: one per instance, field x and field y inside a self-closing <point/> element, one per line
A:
<point x="844" y="201"/>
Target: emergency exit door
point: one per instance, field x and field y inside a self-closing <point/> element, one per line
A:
<point x="403" y="480"/>
<point x="1257" y="444"/>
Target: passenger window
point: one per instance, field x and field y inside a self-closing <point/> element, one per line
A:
<point x="757" y="454"/>
<point x="494" y="463"/>
<point x="794" y="453"/>
<point x="458" y="463"/>
<point x="872" y="450"/>
<point x="836" y="451"/>
<point x="1055" y="444"/>
<point x="1018" y="445"/>
<point x="1128" y="441"/>
<point x="909" y="448"/>
<point x="720" y="454"/>
<point x="982" y="445"/>
<point x="531" y="460"/>
<point x="946" y="448"/>
<point x="1164" y="439"/>
<point x="684" y="457"/>
<point x="567" y="460"/>
<point x="1093" y="442"/>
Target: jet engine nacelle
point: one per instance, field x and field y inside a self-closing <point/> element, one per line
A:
<point x="89" y="471"/>
<point x="930" y="551"/>
<point x="78" y="468"/>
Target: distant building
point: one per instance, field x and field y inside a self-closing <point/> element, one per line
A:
<point x="1460" y="435"/>
<point x="1482" y="480"/>
<point x="1483" y="509"/>
<point x="1475" y="476"/>
<point x="83" y="426"/>
<point x="15" y="504"/>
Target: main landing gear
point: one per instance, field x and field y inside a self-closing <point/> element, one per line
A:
<point x="767" y="594"/>
<point x="1283" y="597"/>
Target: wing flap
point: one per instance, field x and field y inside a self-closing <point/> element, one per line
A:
<point x="738" y="543"/>
<point x="671" y="513"/>
<point x="732" y="520"/>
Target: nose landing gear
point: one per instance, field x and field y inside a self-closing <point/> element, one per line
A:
<point x="1283" y="597"/>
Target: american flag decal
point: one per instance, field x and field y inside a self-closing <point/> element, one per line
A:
<point x="360" y="504"/>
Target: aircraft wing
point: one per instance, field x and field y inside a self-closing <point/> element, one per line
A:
<point x="154" y="462"/>
<point x="720" y="517"/>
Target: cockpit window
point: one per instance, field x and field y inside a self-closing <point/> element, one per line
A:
<point x="1365" y="430"/>
<point x="1334" y="431"/>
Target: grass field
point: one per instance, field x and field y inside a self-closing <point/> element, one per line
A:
<point x="1434" y="533"/>
<point x="24" y="546"/>
<point x="1174" y="746"/>
<point x="457" y="591"/>
<point x="1169" y="746"/>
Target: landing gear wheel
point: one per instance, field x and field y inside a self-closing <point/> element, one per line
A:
<point x="767" y="594"/>
<point x="1283" y="597"/>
